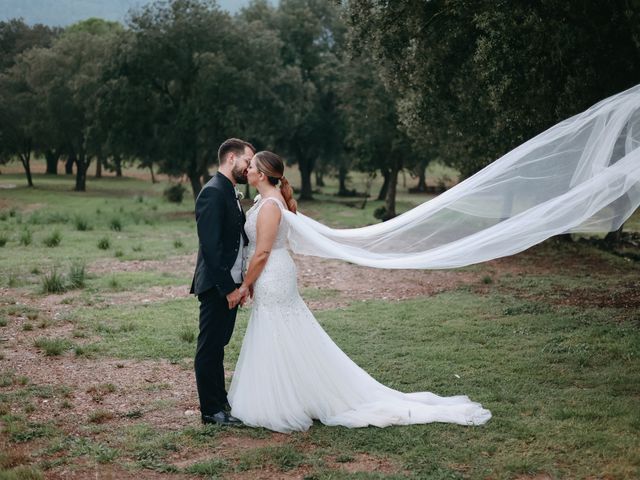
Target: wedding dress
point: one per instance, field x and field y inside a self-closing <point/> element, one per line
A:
<point x="290" y="372"/>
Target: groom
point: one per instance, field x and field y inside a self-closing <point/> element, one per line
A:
<point x="220" y="222"/>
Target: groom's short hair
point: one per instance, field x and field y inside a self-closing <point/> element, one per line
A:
<point x="232" y="145"/>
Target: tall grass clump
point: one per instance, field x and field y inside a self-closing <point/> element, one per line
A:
<point x="104" y="243"/>
<point x="115" y="225"/>
<point x="175" y="193"/>
<point x="26" y="237"/>
<point x="52" y="346"/>
<point x="187" y="333"/>
<point x="53" y="282"/>
<point x="82" y="224"/>
<point x="77" y="275"/>
<point x="3" y="240"/>
<point x="53" y="240"/>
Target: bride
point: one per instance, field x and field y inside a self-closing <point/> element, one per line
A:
<point x="289" y="371"/>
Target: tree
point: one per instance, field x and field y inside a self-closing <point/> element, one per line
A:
<point x="475" y="79"/>
<point x="65" y="79"/>
<point x="311" y="38"/>
<point x="374" y="134"/>
<point x="17" y="117"/>
<point x="184" y="60"/>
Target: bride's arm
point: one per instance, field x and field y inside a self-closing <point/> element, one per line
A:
<point x="266" y="231"/>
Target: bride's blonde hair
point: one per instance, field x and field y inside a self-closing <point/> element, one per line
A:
<point x="273" y="167"/>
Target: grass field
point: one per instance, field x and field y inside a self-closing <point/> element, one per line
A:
<point x="97" y="335"/>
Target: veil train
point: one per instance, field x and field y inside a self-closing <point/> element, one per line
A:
<point x="581" y="175"/>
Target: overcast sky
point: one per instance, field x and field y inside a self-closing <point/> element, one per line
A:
<point x="65" y="12"/>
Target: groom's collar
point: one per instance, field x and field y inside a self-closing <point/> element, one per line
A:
<point x="225" y="181"/>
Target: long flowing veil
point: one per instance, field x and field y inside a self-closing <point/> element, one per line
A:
<point x="581" y="175"/>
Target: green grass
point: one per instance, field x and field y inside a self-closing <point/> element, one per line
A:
<point x="561" y="379"/>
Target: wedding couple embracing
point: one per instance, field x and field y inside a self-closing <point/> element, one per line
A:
<point x="289" y="372"/>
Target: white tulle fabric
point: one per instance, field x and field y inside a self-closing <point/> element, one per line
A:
<point x="582" y="175"/>
<point x="290" y="372"/>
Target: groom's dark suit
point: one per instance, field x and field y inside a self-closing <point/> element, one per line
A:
<point x="220" y="223"/>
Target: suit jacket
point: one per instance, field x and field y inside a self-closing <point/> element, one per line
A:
<point x="220" y="224"/>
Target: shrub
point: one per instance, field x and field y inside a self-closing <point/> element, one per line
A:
<point x="53" y="240"/>
<point x="27" y="327"/>
<point x="104" y="243"/>
<point x="3" y="240"/>
<point x="175" y="193"/>
<point x="52" y="346"/>
<point x="77" y="275"/>
<point x="177" y="243"/>
<point x="380" y="213"/>
<point x="119" y="254"/>
<point x="115" y="225"/>
<point x="3" y="322"/>
<point x="137" y="248"/>
<point x="25" y="237"/>
<point x="53" y="282"/>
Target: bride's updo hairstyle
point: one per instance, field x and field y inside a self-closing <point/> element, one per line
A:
<point x="273" y="167"/>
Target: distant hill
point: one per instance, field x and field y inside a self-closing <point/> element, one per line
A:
<point x="65" y="12"/>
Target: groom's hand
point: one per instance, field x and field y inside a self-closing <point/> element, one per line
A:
<point x="234" y="298"/>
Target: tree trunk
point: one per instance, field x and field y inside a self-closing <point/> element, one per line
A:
<point x="421" y="187"/>
<point x="386" y="175"/>
<point x="319" y="179"/>
<point x="82" y="165"/>
<point x="52" y="158"/>
<point x="153" y="175"/>
<point x="306" y="167"/>
<point x="26" y="163"/>
<point x="196" y="184"/>
<point x="99" y="166"/>
<point x="117" y="160"/>
<point x="390" y="200"/>
<point x="342" y="179"/>
<point x="68" y="165"/>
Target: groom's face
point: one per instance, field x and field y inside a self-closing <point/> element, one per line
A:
<point x="241" y="165"/>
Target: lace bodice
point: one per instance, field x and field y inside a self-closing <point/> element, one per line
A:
<point x="252" y="219"/>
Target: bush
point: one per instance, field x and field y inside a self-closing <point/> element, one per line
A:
<point x="53" y="282"/>
<point x="53" y="240"/>
<point x="380" y="213"/>
<point x="175" y="193"/>
<point x="3" y="240"/>
<point x="177" y="243"/>
<point x="104" y="243"/>
<point x="77" y="275"/>
<point x="25" y="237"/>
<point x="115" y="225"/>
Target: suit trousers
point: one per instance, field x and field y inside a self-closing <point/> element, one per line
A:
<point x="216" y="327"/>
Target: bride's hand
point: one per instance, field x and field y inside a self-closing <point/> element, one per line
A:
<point x="244" y="293"/>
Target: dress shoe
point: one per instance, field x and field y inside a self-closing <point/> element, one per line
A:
<point x="221" y="418"/>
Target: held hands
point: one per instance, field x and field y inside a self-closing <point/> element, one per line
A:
<point x="239" y="296"/>
<point x="234" y="299"/>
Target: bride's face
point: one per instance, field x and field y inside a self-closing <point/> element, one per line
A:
<point x="253" y="174"/>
